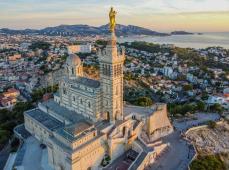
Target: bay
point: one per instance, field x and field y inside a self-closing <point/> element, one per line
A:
<point x="186" y="41"/>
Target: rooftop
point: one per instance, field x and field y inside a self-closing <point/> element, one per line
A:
<point x="63" y="112"/>
<point x="86" y="82"/>
<point x="69" y="135"/>
<point x="129" y="109"/>
<point x="78" y="128"/>
<point x="144" y="111"/>
<point x="46" y="120"/>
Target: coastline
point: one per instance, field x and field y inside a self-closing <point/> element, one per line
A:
<point x="185" y="41"/>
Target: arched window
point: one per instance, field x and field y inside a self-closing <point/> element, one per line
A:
<point x="109" y="70"/>
<point x="64" y="91"/>
<point x="81" y="101"/>
<point x="89" y="104"/>
<point x="72" y="70"/>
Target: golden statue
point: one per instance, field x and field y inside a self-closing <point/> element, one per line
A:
<point x="112" y="19"/>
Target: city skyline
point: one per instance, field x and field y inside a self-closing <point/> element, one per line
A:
<point x="161" y="15"/>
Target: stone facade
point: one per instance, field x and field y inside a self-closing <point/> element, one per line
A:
<point x="111" y="73"/>
<point x="87" y="119"/>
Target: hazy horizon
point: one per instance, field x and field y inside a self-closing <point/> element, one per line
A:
<point x="158" y="15"/>
<point x="169" y="31"/>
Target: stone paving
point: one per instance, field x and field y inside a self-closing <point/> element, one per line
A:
<point x="197" y="120"/>
<point x="34" y="157"/>
<point x="176" y="157"/>
<point x="180" y="152"/>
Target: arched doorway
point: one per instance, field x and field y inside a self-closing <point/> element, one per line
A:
<point x="108" y="115"/>
<point x="124" y="131"/>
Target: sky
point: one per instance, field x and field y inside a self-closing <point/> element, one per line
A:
<point x="158" y="15"/>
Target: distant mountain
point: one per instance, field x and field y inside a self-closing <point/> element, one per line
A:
<point x="11" y="31"/>
<point x="181" y="33"/>
<point x="121" y="30"/>
<point x="130" y="30"/>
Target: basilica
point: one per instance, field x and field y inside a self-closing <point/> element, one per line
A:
<point x="87" y="121"/>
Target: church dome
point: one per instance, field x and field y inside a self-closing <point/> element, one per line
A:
<point x="74" y="60"/>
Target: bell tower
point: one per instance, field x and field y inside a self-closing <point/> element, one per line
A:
<point x="111" y="75"/>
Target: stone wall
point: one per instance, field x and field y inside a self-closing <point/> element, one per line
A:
<point x="37" y="130"/>
<point x="158" y="124"/>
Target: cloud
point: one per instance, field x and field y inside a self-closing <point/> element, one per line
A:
<point x="40" y="13"/>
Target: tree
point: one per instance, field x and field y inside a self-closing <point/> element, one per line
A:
<point x="101" y="42"/>
<point x="200" y="106"/>
<point x="204" y="96"/>
<point x="209" y="162"/>
<point x="144" y="101"/>
<point x="4" y="136"/>
<point x="211" y="124"/>
<point x="181" y="109"/>
<point x="216" y="108"/>
<point x="187" y="87"/>
<point x="4" y="115"/>
<point x="40" y="45"/>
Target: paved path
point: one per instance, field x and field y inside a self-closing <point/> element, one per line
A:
<point x="4" y="154"/>
<point x="180" y="153"/>
<point x="10" y="162"/>
<point x="201" y="118"/>
<point x="35" y="158"/>
<point x="32" y="157"/>
<point x="176" y="157"/>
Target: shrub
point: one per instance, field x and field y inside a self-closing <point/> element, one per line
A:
<point x="209" y="162"/>
<point x="144" y="101"/>
<point x="211" y="124"/>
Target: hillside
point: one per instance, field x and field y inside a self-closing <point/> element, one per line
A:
<point x="65" y="30"/>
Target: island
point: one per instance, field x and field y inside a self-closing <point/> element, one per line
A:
<point x="181" y="33"/>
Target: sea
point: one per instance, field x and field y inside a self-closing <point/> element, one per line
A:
<point x="197" y="41"/>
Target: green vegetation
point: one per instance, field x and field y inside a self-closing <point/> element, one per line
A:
<point x="211" y="124"/>
<point x="106" y="160"/>
<point x="83" y="55"/>
<point x="139" y="95"/>
<point x="204" y="96"/>
<point x="187" y="87"/>
<point x="101" y="43"/>
<point x="192" y="108"/>
<point x="38" y="93"/>
<point x="185" y="108"/>
<point x="40" y="45"/>
<point x="200" y="106"/>
<point x="216" y="108"/>
<point x="144" y="101"/>
<point x="41" y="59"/>
<point x="145" y="46"/>
<point x="209" y="162"/>
<point x="129" y="76"/>
<point x="45" y="69"/>
<point x="189" y="56"/>
<point x="77" y="43"/>
<point x="9" y="119"/>
<point x="192" y="58"/>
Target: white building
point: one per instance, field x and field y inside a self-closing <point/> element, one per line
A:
<point x="88" y="120"/>
<point x="223" y="100"/>
<point x="79" y="48"/>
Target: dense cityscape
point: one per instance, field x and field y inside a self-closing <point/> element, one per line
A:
<point x="134" y="110"/>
